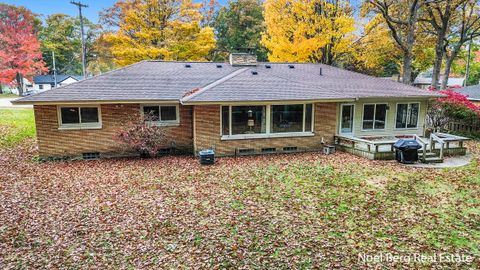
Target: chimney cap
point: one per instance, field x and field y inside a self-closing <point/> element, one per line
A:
<point x="243" y="59"/>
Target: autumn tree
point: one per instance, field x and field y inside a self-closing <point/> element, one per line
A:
<point x="61" y="34"/>
<point x="100" y="57"/>
<point x="308" y="31"/>
<point x="401" y="17"/>
<point x="459" y="66"/>
<point x="375" y="52"/>
<point x="438" y="16"/>
<point x="464" y="27"/>
<point x="19" y="47"/>
<point x="149" y="29"/>
<point x="239" y="26"/>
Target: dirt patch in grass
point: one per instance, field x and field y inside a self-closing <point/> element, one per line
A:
<point x="301" y="211"/>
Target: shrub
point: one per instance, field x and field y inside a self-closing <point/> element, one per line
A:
<point x="142" y="136"/>
<point x="453" y="107"/>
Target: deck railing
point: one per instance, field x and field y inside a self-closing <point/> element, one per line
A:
<point x="374" y="148"/>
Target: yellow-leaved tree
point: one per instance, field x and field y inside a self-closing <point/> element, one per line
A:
<point x="375" y="52"/>
<point x="152" y="29"/>
<point x="308" y="30"/>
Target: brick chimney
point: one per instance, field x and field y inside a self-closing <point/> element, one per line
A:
<point x="243" y="59"/>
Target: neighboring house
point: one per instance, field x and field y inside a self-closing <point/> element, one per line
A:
<point x="243" y="107"/>
<point x="12" y="89"/>
<point x="472" y="92"/>
<point x="46" y="82"/>
<point x="424" y="80"/>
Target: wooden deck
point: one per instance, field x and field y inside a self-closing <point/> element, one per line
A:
<point x="435" y="147"/>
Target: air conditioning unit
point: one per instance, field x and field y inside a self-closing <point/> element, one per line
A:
<point x="328" y="149"/>
<point x="207" y="157"/>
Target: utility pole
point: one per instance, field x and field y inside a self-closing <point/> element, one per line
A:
<point x="467" y="72"/>
<point x="54" y="71"/>
<point x="84" y="62"/>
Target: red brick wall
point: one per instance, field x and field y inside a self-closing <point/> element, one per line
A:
<point x="207" y="131"/>
<point x="55" y="142"/>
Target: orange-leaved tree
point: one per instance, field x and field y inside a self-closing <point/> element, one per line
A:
<point x="20" y="54"/>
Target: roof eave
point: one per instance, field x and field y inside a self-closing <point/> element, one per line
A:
<point x="132" y="101"/>
<point x="253" y="102"/>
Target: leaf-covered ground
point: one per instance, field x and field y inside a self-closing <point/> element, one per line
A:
<point x="267" y="212"/>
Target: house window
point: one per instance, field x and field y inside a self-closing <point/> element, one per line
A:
<point x="79" y="117"/>
<point x="308" y="118"/>
<point x="407" y="115"/>
<point x="161" y="114"/>
<point x="244" y="120"/>
<point x="225" y="120"/>
<point x="374" y="116"/>
<point x="291" y="118"/>
<point x="287" y="118"/>
<point x="40" y="86"/>
<point x="248" y="119"/>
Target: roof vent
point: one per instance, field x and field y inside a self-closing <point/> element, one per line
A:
<point x="188" y="65"/>
<point x="268" y="66"/>
<point x="254" y="72"/>
<point x="291" y="66"/>
<point x="219" y="66"/>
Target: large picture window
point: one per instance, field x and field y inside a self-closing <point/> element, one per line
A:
<point x="407" y="115"/>
<point x="248" y="120"/>
<point x="79" y="117"/>
<point x="161" y="114"/>
<point x="287" y="118"/>
<point x="374" y="116"/>
<point x="244" y="120"/>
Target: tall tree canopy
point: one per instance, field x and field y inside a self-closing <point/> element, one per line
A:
<point x="61" y="34"/>
<point x="438" y="18"/>
<point x="19" y="47"/>
<point x="401" y="17"/>
<point x="308" y="31"/>
<point x="239" y="26"/>
<point x="464" y="26"/>
<point x="385" y="59"/>
<point x="152" y="29"/>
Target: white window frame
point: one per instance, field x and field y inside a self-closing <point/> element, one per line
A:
<point x="408" y="115"/>
<point x="80" y="125"/>
<point x="160" y="122"/>
<point x="268" y="120"/>
<point x="374" y="113"/>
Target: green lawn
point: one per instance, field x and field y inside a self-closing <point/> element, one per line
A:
<point x="297" y="211"/>
<point x="8" y="96"/>
<point x="16" y="125"/>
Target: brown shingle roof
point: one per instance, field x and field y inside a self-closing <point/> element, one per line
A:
<point x="173" y="81"/>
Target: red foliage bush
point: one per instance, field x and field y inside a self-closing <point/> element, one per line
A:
<point x="453" y="106"/>
<point x="141" y="136"/>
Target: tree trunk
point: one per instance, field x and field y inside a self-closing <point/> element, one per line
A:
<point x="408" y="47"/>
<point x="437" y="62"/>
<point x="407" y="68"/>
<point x="448" y="66"/>
<point x="1" y="89"/>
<point x="19" y="78"/>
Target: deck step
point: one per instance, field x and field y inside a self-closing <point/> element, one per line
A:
<point x="428" y="154"/>
<point x="435" y="159"/>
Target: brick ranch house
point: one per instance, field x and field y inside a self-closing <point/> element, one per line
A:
<point x="241" y="107"/>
